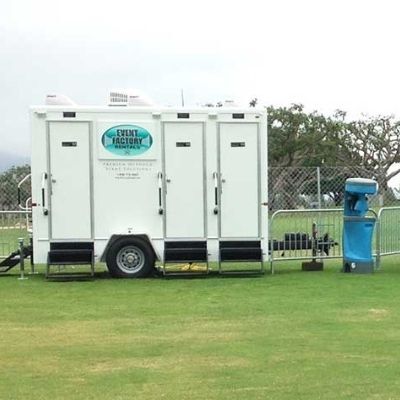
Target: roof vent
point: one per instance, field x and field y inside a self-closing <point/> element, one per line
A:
<point x="129" y="98"/>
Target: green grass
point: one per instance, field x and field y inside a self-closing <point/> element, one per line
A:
<point x="294" y="335"/>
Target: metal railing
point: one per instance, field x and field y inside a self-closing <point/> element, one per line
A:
<point x="312" y="234"/>
<point x="388" y="233"/>
<point x="305" y="234"/>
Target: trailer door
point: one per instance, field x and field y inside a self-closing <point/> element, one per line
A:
<point x="184" y="180"/>
<point x="70" y="187"/>
<point x="239" y="180"/>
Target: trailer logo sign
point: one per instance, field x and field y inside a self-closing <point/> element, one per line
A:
<point x="127" y="140"/>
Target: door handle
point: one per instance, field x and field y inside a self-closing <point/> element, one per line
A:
<point x="215" y="176"/>
<point x="168" y="180"/>
<point x="160" y="207"/>
<point x="44" y="178"/>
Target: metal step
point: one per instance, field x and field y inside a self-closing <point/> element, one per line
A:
<point x="68" y="256"/>
<point x="241" y="251"/>
<point x="241" y="254"/>
<point x="184" y="255"/>
<point x="187" y="252"/>
<point x="70" y="253"/>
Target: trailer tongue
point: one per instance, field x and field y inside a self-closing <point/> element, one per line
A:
<point x="15" y="258"/>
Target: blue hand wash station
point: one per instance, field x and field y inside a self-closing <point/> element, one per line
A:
<point x="358" y="228"/>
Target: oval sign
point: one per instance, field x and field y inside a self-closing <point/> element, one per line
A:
<point x="127" y="140"/>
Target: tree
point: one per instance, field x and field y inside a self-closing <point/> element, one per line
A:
<point x="376" y="141"/>
<point x="299" y="139"/>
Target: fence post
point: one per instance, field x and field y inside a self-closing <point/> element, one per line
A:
<point x="21" y="259"/>
<point x="378" y="240"/>
<point x="319" y="187"/>
<point x="270" y="249"/>
<point x="31" y="257"/>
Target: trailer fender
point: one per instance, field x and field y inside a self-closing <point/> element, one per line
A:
<point x="113" y="238"/>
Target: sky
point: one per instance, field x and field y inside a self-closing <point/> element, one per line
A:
<point x="326" y="55"/>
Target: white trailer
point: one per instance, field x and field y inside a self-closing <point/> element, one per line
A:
<point x="136" y="185"/>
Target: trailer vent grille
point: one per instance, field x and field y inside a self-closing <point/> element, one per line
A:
<point x="184" y="115"/>
<point x="131" y="98"/>
<point x="69" y="114"/>
<point x="118" y="98"/>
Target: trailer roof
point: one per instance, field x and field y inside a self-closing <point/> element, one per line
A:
<point x="141" y="109"/>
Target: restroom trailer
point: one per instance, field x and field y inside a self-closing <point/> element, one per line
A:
<point x="142" y="186"/>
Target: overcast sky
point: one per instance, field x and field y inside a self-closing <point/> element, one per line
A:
<point x="324" y="54"/>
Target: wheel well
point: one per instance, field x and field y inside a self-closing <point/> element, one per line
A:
<point x="114" y="238"/>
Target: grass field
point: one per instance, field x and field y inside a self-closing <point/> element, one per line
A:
<point x="294" y="335"/>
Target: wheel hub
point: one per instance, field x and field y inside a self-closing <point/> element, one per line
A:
<point x="130" y="259"/>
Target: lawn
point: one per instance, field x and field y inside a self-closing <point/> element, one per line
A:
<point x="294" y="335"/>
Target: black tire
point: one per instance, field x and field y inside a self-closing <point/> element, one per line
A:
<point x="130" y="257"/>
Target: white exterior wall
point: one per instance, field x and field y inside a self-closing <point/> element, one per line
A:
<point x="124" y="189"/>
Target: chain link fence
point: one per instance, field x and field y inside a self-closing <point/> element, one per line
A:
<point x="289" y="188"/>
<point x="9" y="180"/>
<point x="320" y="187"/>
<point x="13" y="226"/>
<point x="14" y="222"/>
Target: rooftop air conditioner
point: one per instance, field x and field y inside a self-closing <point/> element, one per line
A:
<point x="129" y="98"/>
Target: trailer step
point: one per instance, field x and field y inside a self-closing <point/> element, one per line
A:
<point x="69" y="276"/>
<point x="185" y="255"/>
<point x="241" y="251"/>
<point x="69" y="254"/>
<point x="187" y="252"/>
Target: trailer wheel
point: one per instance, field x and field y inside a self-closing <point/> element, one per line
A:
<point x="130" y="258"/>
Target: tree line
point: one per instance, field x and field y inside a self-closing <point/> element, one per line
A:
<point x="298" y="138"/>
<point x="301" y="139"/>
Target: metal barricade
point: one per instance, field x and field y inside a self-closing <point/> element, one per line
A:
<point x="317" y="234"/>
<point x="13" y="225"/>
<point x="388" y="233"/>
<point x="305" y="234"/>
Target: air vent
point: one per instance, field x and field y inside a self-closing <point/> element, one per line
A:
<point x="69" y="114"/>
<point x="184" y="115"/>
<point x="129" y="98"/>
<point x="117" y="98"/>
<point x="238" y="144"/>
